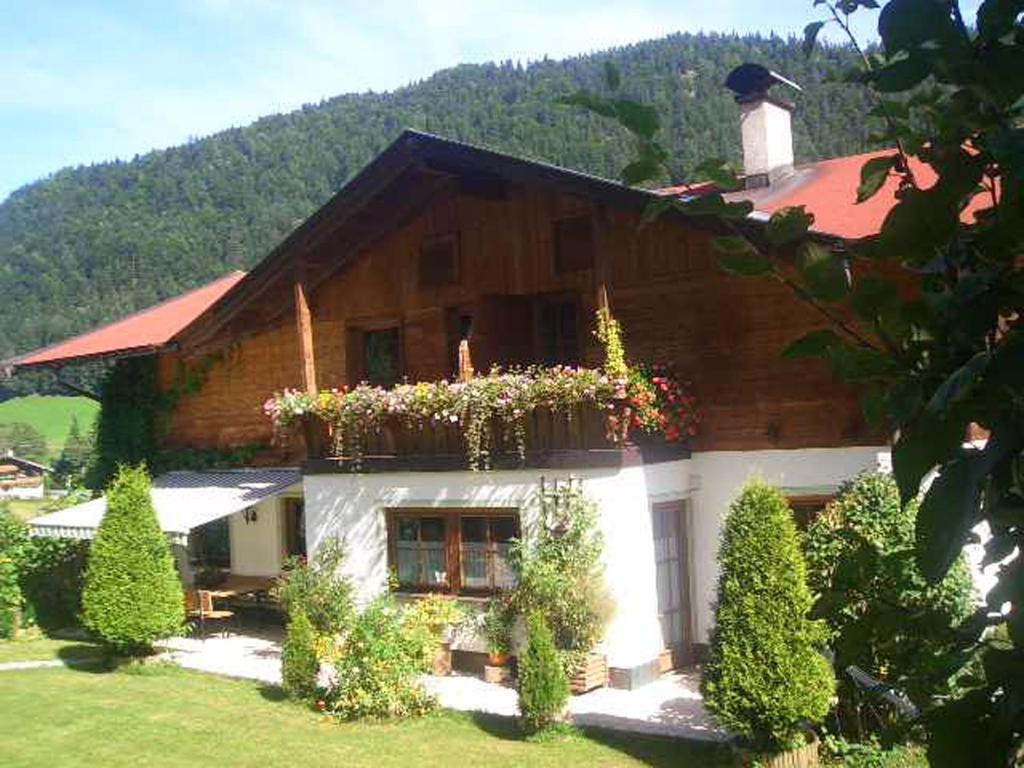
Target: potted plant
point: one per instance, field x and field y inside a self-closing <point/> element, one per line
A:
<point x="499" y="618"/>
<point x="438" y="614"/>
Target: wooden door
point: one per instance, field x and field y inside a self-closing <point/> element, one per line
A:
<point x="672" y="576"/>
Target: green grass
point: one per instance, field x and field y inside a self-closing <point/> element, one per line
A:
<point x="35" y="647"/>
<point x="25" y="509"/>
<point x="51" y="415"/>
<point x="169" y="717"/>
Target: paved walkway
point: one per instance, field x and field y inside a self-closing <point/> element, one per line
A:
<point x="669" y="706"/>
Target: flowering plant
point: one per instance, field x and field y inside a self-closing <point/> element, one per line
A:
<point x="644" y="398"/>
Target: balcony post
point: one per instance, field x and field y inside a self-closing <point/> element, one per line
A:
<point x="304" y="326"/>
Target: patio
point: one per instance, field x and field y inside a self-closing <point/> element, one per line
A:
<point x="670" y="706"/>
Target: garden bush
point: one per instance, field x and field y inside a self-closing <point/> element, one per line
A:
<point x="132" y="593"/>
<point x="373" y="671"/>
<point x="319" y="589"/>
<point x="14" y="543"/>
<point x="884" y="616"/>
<point x="299" y="664"/>
<point x="560" y="574"/>
<point x="543" y="685"/>
<point x="765" y="677"/>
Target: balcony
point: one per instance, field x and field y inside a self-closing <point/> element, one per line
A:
<point x="543" y="417"/>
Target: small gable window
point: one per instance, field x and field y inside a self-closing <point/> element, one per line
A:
<point x="439" y="261"/>
<point x="574" y="245"/>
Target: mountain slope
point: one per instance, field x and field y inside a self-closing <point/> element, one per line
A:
<point x="92" y="243"/>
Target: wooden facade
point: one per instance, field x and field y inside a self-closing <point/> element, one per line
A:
<point x="518" y="267"/>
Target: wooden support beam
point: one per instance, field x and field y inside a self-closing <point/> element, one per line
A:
<point x="304" y="326"/>
<point x="602" y="257"/>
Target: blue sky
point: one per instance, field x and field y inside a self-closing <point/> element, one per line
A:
<point x="85" y="81"/>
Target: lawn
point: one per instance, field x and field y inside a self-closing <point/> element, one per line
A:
<point x="51" y="415"/>
<point x="26" y="509"/>
<point x="170" y="717"/>
<point x="35" y="647"/>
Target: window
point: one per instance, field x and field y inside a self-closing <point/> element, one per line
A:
<point x="807" y="507"/>
<point x="210" y="545"/>
<point x="557" y="336"/>
<point x="439" y="261"/>
<point x="294" y="528"/>
<point x="461" y="551"/>
<point x="574" y="245"/>
<point x="382" y="357"/>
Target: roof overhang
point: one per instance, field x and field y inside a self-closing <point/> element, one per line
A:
<point x="183" y="501"/>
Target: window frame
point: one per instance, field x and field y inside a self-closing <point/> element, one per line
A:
<point x="429" y="247"/>
<point x="355" y="352"/>
<point x="548" y="301"/>
<point x="452" y="544"/>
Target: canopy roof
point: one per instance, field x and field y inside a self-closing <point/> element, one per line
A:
<point x="183" y="501"/>
<point x="139" y="333"/>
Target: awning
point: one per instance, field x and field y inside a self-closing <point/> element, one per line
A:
<point x="183" y="501"/>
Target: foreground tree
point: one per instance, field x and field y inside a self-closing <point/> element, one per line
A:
<point x="883" y="615"/>
<point x="765" y="677"/>
<point x="132" y="593"/>
<point x="927" y="318"/>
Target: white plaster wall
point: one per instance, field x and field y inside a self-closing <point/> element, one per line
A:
<point x="24" y="492"/>
<point x="715" y="480"/>
<point x="257" y="549"/>
<point x="352" y="508"/>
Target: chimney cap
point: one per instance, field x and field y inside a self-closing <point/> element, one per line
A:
<point x="751" y="82"/>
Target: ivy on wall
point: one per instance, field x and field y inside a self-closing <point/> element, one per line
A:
<point x="135" y="411"/>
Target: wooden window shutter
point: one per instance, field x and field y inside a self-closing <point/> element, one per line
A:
<point x="439" y="261"/>
<point x="574" y="245"/>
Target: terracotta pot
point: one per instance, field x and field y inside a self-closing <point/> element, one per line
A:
<point x="443" y="660"/>
<point x="497" y="659"/>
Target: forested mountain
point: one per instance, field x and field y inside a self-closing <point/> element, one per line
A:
<point x="92" y="243"/>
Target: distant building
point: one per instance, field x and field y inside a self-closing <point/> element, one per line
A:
<point x="21" y="478"/>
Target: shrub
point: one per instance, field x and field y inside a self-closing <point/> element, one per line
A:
<point x="543" y="685"/>
<point x="498" y="621"/>
<point x="319" y="589"/>
<point x="429" y="618"/>
<point x="374" y="670"/>
<point x="132" y="592"/>
<point x="884" y="616"/>
<point x="299" y="663"/>
<point x="560" y="574"/>
<point x="52" y="579"/>
<point x="765" y="678"/>
<point x="14" y="543"/>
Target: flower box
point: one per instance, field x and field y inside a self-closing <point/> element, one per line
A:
<point x="594" y="674"/>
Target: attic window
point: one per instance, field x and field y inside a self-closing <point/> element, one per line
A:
<point x="574" y="245"/>
<point x="439" y="261"/>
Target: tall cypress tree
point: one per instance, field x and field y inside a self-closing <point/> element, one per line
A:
<point x="132" y="593"/>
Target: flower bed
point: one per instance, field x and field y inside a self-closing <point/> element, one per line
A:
<point x="495" y="412"/>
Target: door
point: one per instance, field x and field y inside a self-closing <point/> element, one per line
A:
<point x="294" y="527"/>
<point x="672" y="574"/>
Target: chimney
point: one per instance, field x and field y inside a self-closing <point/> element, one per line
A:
<point x="766" y="123"/>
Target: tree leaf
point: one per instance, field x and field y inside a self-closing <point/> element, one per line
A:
<point x="739" y="257"/>
<point x="900" y="75"/>
<point x="810" y="36"/>
<point x="873" y="175"/>
<point x="718" y="171"/>
<point x="589" y="101"/>
<point x="905" y="25"/>
<point x="641" y="119"/>
<point x="639" y="171"/>
<point x="823" y="271"/>
<point x="814" y="344"/>
<point x="788" y="224"/>
<point x="958" y="383"/>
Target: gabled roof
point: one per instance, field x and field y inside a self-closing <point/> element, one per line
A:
<point x="828" y="189"/>
<point x="138" y="333"/>
<point x="9" y="459"/>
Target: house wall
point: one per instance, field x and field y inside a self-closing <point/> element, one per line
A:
<point x="723" y="333"/>
<point x="24" y="491"/>
<point x="257" y="548"/>
<point x="352" y="508"/>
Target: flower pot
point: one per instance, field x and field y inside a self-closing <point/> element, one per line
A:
<point x="443" y="660"/>
<point x="594" y="674"/>
<point x="805" y="756"/>
<point x="497" y="659"/>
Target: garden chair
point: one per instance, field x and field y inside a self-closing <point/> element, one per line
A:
<point x="199" y="605"/>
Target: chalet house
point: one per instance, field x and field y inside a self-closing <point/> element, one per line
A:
<point x="21" y="478"/>
<point x="436" y="249"/>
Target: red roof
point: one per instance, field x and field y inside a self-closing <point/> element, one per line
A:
<point x="142" y="331"/>
<point x="828" y="189"/>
